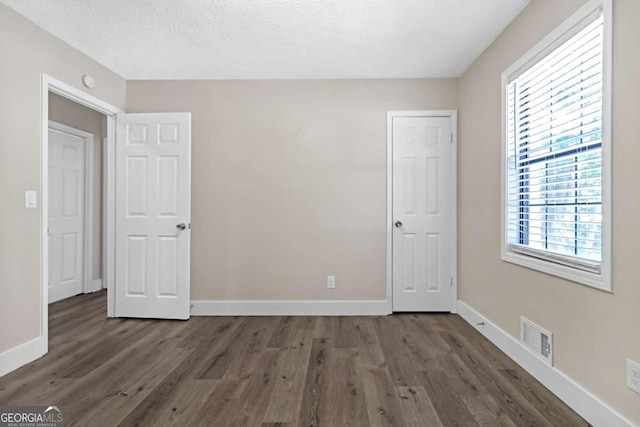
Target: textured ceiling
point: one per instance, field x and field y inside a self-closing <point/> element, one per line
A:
<point x="276" y="39"/>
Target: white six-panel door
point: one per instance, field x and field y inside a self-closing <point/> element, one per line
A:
<point x="422" y="232"/>
<point x="153" y="215"/>
<point x="66" y="214"/>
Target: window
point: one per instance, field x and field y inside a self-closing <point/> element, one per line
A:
<point x="557" y="152"/>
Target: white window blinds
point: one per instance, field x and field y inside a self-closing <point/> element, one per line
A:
<point x="554" y="153"/>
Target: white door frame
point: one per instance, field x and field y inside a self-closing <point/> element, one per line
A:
<point x="453" y="114"/>
<point x="87" y="185"/>
<point x="51" y="84"/>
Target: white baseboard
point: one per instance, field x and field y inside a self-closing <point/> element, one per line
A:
<point x="290" y="308"/>
<point x="25" y="353"/>
<point x="578" y="398"/>
<point x="97" y="285"/>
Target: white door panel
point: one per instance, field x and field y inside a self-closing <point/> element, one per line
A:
<point x="153" y="198"/>
<point x="66" y="214"/>
<point x="421" y="213"/>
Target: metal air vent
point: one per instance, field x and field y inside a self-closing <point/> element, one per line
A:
<point x="537" y="340"/>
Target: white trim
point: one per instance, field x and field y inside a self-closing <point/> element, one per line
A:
<point x="19" y="356"/>
<point x="109" y="215"/>
<point x="453" y="114"/>
<point x="97" y="285"/>
<point x="607" y="146"/>
<point x="390" y="210"/>
<point x="454" y="211"/>
<point x="87" y="275"/>
<point x="587" y="405"/>
<point x="290" y="308"/>
<point x="48" y="84"/>
<point x="79" y="97"/>
<point x="576" y="275"/>
<point x="88" y="213"/>
<point x="604" y="279"/>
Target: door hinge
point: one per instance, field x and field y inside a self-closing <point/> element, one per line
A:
<point x="451" y="138"/>
<point x="451" y="282"/>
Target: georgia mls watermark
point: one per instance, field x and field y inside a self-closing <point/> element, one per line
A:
<point x="31" y="416"/>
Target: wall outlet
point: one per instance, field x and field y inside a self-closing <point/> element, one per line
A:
<point x="331" y="282"/>
<point x="633" y="375"/>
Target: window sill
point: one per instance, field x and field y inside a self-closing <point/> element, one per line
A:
<point x="594" y="280"/>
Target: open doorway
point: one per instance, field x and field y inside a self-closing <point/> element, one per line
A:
<point x="72" y="123"/>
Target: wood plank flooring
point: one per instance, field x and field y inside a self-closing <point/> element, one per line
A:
<point x="400" y="370"/>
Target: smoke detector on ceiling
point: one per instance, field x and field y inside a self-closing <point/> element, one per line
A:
<point x="88" y="81"/>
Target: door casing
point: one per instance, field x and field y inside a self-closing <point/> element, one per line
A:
<point x="453" y="115"/>
<point x="51" y="84"/>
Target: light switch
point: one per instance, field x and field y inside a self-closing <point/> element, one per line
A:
<point x="30" y="199"/>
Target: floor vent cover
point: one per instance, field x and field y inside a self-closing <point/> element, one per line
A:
<point x="537" y="340"/>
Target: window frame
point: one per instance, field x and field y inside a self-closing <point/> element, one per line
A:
<point x="543" y="261"/>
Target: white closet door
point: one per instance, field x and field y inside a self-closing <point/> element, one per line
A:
<point x="422" y="213"/>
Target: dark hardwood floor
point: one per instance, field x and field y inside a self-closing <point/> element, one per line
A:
<point x="409" y="369"/>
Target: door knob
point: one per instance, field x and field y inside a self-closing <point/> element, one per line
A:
<point x="398" y="224"/>
<point x="181" y="226"/>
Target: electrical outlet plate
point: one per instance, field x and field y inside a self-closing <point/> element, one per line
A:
<point x="331" y="282"/>
<point x="633" y="375"/>
<point x="30" y="199"/>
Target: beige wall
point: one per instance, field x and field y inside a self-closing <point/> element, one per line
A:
<point x="289" y="181"/>
<point x="26" y="51"/>
<point x="69" y="113"/>
<point x="594" y="332"/>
